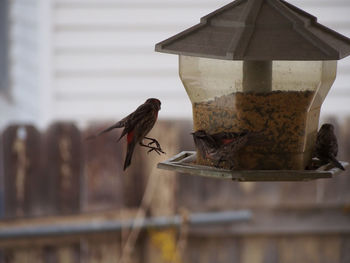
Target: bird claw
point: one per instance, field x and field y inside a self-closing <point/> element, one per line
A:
<point x="157" y="150"/>
<point x="153" y="141"/>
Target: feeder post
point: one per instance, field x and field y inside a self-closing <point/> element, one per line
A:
<point x="257" y="76"/>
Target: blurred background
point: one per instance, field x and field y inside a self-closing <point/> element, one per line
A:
<point x="68" y="68"/>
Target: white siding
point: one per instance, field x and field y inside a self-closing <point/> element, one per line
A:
<point x="95" y="59"/>
<point x="24" y="67"/>
<point x="104" y="59"/>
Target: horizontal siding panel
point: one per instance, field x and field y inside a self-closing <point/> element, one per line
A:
<point x="21" y="83"/>
<point x="23" y="69"/>
<point x="25" y="2"/>
<point x="24" y="32"/>
<point x="343" y="67"/>
<point x="23" y="80"/>
<point x="75" y="87"/>
<point x="121" y="94"/>
<point x="23" y="58"/>
<point x="336" y="105"/>
<point x="330" y="16"/>
<point x="122" y="16"/>
<point x="21" y="50"/>
<point x="24" y="74"/>
<point x="300" y="3"/>
<point x="24" y="64"/>
<point x="24" y="43"/>
<point x="140" y="3"/>
<point x="181" y="3"/>
<point x="96" y="51"/>
<point x="24" y="27"/>
<point x="116" y="108"/>
<point x="115" y="28"/>
<point x="100" y="39"/>
<point x="117" y="62"/>
<point x="24" y="12"/>
<point x="140" y="73"/>
<point x="24" y="91"/>
<point x="28" y="103"/>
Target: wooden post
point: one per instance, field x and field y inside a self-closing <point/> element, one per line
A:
<point x="103" y="170"/>
<point x="101" y="249"/>
<point x="20" y="255"/>
<point x="162" y="244"/>
<point x="257" y="76"/>
<point x="107" y="186"/>
<point x="63" y="167"/>
<point x="22" y="175"/>
<point x="69" y="253"/>
<point x="345" y="249"/>
<point x="207" y="249"/>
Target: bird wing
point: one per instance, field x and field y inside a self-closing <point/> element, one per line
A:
<point x="135" y="117"/>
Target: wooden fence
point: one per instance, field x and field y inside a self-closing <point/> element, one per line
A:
<point x="56" y="176"/>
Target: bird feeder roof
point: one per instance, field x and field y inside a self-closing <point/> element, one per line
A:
<point x="258" y="30"/>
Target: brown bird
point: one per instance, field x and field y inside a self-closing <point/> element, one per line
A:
<point x="220" y="147"/>
<point x="136" y="126"/>
<point x="327" y="146"/>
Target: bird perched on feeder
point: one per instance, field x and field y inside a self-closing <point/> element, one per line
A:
<point x="136" y="126"/>
<point x="327" y="146"/>
<point x="220" y="147"/>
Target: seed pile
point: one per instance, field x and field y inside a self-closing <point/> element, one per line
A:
<point x="279" y="116"/>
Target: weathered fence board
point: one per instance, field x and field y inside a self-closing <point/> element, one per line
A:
<point x="69" y="253"/>
<point x="213" y="249"/>
<point x="161" y="187"/>
<point x="102" y="250"/>
<point x="345" y="249"/>
<point x="63" y="167"/>
<point x="22" y="172"/>
<point x="103" y="170"/>
<point x="133" y="178"/>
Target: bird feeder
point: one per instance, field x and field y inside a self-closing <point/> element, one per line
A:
<point x="262" y="66"/>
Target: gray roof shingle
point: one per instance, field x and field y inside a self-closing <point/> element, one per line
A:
<point x="258" y="30"/>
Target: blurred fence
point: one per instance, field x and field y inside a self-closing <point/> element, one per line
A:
<point x="57" y="176"/>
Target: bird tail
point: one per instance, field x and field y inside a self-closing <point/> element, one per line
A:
<point x="129" y="152"/>
<point x="117" y="125"/>
<point x="336" y="163"/>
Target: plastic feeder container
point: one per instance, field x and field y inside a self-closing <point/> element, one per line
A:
<point x="279" y="99"/>
<point x="263" y="66"/>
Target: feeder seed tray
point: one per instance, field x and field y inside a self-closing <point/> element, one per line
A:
<point x="184" y="163"/>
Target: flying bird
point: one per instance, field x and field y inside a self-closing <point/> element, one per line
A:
<point x="136" y="126"/>
<point x="327" y="146"/>
<point x="220" y="147"/>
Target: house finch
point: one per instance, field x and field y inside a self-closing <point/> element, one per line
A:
<point x="136" y="126"/>
<point x="327" y="146"/>
<point x="221" y="146"/>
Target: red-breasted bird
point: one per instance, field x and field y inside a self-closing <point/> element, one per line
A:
<point x="136" y="126"/>
<point x="221" y="146"/>
<point x="327" y="146"/>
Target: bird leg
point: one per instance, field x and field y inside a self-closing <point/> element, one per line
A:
<point x="156" y="149"/>
<point x="153" y="141"/>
